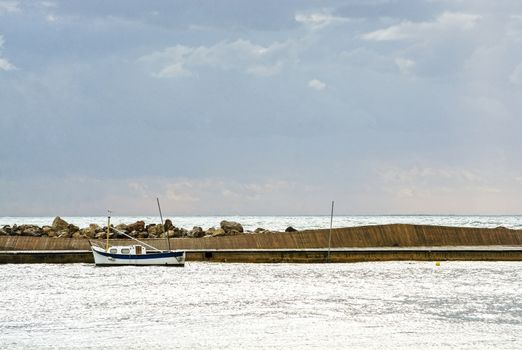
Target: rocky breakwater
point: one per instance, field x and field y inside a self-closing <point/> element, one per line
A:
<point x="60" y="228"/>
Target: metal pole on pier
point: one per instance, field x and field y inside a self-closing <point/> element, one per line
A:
<point x="162" y="225"/>
<point x="330" y="235"/>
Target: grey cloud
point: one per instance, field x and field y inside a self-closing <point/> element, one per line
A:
<point x="255" y="109"/>
<point x="7" y="7"/>
<point x="5" y="65"/>
<point x="218" y="15"/>
<point x="240" y="54"/>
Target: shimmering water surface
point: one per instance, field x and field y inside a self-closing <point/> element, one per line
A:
<point x="282" y="222"/>
<point x="407" y="305"/>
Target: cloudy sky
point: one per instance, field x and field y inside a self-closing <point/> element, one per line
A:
<point x="260" y="107"/>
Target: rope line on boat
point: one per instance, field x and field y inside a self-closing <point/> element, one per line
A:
<point x="137" y="240"/>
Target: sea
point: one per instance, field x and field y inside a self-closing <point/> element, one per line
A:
<point x="370" y="305"/>
<point x="280" y="223"/>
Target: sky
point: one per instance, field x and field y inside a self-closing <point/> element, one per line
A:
<point x="268" y="107"/>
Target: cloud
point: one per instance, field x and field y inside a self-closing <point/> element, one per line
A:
<point x="49" y="4"/>
<point x="84" y="195"/>
<point x="51" y="18"/>
<point x="209" y="109"/>
<point x="4" y="63"/>
<point x="9" y="7"/>
<point x="405" y="65"/>
<point x="447" y="21"/>
<point x="240" y="55"/>
<point x="318" y="20"/>
<point x="403" y="175"/>
<point x="316" y="84"/>
<point x="173" y="71"/>
<point x="516" y="75"/>
<point x="265" y="70"/>
<point x="445" y="189"/>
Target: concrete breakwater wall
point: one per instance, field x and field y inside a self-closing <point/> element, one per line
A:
<point x="337" y="255"/>
<point x="395" y="235"/>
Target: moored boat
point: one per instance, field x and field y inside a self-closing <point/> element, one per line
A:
<point x="136" y="254"/>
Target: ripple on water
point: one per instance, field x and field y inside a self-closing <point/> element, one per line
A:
<point x="408" y="305"/>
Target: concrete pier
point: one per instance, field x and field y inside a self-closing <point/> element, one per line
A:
<point x="338" y="255"/>
<point x="350" y="244"/>
<point x="396" y="235"/>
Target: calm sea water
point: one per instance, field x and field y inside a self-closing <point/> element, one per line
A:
<point x="282" y="222"/>
<point x="391" y="305"/>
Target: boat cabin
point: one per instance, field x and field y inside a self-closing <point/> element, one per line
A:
<point x="128" y="250"/>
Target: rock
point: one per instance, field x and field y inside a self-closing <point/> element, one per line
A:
<point x="64" y="234"/>
<point x="120" y="231"/>
<point x="260" y="230"/>
<point x="30" y="230"/>
<point x="59" y="224"/>
<point x="46" y="230"/>
<point x="216" y="232"/>
<point x="155" y="230"/>
<point x="78" y="235"/>
<point x="51" y="233"/>
<point x="121" y="227"/>
<point x="229" y="226"/>
<point x="73" y="228"/>
<point x="138" y="226"/>
<point x="290" y="229"/>
<point x="34" y="231"/>
<point x="7" y="229"/>
<point x="95" y="228"/>
<point x="168" y="225"/>
<point x="176" y="232"/>
<point x="87" y="232"/>
<point x="103" y="235"/>
<point x="16" y="230"/>
<point x="143" y="234"/>
<point x="197" y="232"/>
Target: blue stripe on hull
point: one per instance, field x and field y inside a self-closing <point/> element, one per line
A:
<point x="142" y="257"/>
<point x="111" y="265"/>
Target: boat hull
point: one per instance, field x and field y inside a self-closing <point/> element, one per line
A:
<point x="168" y="258"/>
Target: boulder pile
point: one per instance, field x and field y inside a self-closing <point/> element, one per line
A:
<point x="60" y="228"/>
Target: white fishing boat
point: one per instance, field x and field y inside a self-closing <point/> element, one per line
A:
<point x="136" y="254"/>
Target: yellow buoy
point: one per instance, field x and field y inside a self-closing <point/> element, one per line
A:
<point x="437" y="263"/>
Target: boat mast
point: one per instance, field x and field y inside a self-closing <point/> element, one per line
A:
<point x="162" y="225"/>
<point x="108" y="230"/>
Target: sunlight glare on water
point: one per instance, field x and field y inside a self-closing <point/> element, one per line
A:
<point x="280" y="223"/>
<point x="407" y="305"/>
